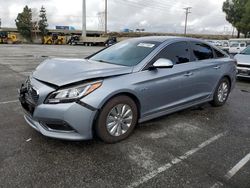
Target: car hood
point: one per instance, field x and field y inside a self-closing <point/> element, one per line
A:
<point x="242" y="59"/>
<point x="66" y="71"/>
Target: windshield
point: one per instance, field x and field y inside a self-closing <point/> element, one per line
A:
<point x="126" y="53"/>
<point x="246" y="51"/>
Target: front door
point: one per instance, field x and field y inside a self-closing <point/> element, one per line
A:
<point x="166" y="88"/>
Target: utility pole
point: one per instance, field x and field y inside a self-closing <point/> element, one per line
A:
<point x="83" y="19"/>
<point x="106" y="16"/>
<point x="187" y="11"/>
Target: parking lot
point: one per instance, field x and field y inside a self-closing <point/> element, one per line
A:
<point x="198" y="147"/>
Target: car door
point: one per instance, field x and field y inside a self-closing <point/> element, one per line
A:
<point x="167" y="88"/>
<point x="242" y="47"/>
<point x="234" y="48"/>
<point x="207" y="68"/>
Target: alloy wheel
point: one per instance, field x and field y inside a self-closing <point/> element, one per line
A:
<point x="223" y="92"/>
<point x="119" y="120"/>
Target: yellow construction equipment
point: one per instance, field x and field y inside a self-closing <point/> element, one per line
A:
<point x="54" y="38"/>
<point x="8" y="38"/>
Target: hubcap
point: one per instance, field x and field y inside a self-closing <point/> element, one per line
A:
<point x="223" y="92"/>
<point x="119" y="119"/>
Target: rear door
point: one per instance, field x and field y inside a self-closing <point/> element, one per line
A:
<point x="242" y="47"/>
<point x="207" y="63"/>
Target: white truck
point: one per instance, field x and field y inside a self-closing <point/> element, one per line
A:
<point x="238" y="45"/>
<point x="88" y="41"/>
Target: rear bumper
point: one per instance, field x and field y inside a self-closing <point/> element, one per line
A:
<point x="79" y="121"/>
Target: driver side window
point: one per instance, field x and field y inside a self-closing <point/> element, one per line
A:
<point x="177" y="52"/>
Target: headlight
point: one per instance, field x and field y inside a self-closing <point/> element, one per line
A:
<point x="72" y="94"/>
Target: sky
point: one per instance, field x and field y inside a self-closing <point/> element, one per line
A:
<point x="152" y="15"/>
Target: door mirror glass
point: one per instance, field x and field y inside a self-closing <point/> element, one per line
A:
<point x="163" y="63"/>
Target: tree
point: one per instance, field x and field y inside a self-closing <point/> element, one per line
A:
<point x="235" y="9"/>
<point x="24" y="23"/>
<point x="43" y="22"/>
<point x="244" y="24"/>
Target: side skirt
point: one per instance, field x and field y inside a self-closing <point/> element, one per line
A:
<point x="172" y="110"/>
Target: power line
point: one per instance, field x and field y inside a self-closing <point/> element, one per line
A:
<point x="165" y="5"/>
<point x="152" y="4"/>
<point x="187" y="11"/>
<point x="138" y="5"/>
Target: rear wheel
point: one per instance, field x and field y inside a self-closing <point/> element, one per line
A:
<point x="221" y="93"/>
<point x="49" y="42"/>
<point x="117" y="119"/>
<point x="59" y="42"/>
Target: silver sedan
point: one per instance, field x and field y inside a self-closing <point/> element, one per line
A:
<point x="134" y="81"/>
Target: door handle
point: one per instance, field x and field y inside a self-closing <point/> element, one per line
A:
<point x="188" y="74"/>
<point x="217" y="67"/>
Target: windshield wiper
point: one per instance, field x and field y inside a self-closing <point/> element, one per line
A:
<point x="102" y="61"/>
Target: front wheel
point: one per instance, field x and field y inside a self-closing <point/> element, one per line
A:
<point x="221" y="93"/>
<point x="117" y="119"/>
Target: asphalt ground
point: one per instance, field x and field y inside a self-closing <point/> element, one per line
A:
<point x="198" y="147"/>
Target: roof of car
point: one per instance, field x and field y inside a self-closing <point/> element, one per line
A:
<point x="162" y="38"/>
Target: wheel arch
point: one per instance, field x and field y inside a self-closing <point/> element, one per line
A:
<point x="224" y="76"/>
<point x="229" y="79"/>
<point x="120" y="93"/>
<point x="126" y="93"/>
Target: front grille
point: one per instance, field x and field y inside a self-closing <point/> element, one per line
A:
<point x="244" y="66"/>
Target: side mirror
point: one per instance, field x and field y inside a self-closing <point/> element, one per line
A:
<point x="163" y="63"/>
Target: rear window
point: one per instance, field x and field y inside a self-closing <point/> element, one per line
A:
<point x="242" y="44"/>
<point x="233" y="45"/>
<point x="219" y="54"/>
<point x="201" y="51"/>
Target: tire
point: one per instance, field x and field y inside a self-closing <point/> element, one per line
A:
<point x="49" y="42"/>
<point x="59" y="42"/>
<point x="116" y="131"/>
<point x="220" y="96"/>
